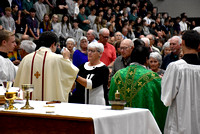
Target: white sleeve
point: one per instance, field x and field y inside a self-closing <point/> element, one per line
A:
<point x="170" y="84"/>
<point x="89" y="84"/>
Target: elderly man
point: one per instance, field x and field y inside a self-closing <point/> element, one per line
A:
<point x="27" y="47"/>
<point x="91" y="35"/>
<point x="180" y="89"/>
<point x="51" y="74"/>
<point x="7" y="44"/>
<point x="124" y="59"/>
<point x="109" y="54"/>
<point x="139" y="87"/>
<point x="152" y="41"/>
<point x="175" y="46"/>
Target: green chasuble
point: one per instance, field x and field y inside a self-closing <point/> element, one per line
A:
<point x="140" y="88"/>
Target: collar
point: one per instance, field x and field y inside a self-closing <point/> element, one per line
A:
<point x="4" y="54"/>
<point x="136" y="63"/>
<point x="87" y="67"/>
<point x="126" y="61"/>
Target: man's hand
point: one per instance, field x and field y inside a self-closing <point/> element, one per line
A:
<point x="65" y="53"/>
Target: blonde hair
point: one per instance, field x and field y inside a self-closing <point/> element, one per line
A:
<point x="5" y="35"/>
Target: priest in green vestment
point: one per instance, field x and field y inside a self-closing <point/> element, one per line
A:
<point x="140" y="87"/>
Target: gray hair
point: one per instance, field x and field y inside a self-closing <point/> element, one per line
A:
<point x="128" y="41"/>
<point x="79" y="42"/>
<point x="94" y="33"/>
<point x="103" y="30"/>
<point x="28" y="46"/>
<point x="167" y="44"/>
<point x="145" y="39"/>
<point x="70" y="39"/>
<point x="179" y="39"/>
<point x="98" y="46"/>
<point x="117" y="32"/>
<point x="156" y="56"/>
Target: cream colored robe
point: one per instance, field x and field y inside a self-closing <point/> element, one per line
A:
<point x="59" y="75"/>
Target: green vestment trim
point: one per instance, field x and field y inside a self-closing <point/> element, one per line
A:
<point x="140" y="88"/>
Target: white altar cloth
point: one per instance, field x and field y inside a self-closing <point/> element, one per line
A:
<point x="106" y="121"/>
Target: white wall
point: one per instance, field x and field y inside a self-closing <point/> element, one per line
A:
<point x="176" y="7"/>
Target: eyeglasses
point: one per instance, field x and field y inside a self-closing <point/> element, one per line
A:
<point x="124" y="48"/>
<point x="92" y="51"/>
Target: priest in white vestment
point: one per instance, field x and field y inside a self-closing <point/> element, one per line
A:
<point x="181" y="89"/>
<point x="51" y="74"/>
<point x="7" y="44"/>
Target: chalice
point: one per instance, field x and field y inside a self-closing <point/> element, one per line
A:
<point x="6" y="85"/>
<point x="11" y="96"/>
<point x="27" y="88"/>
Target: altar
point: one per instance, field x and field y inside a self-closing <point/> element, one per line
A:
<point x="68" y="118"/>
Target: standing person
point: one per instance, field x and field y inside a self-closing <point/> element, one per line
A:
<point x="40" y="10"/>
<point x="7" y="20"/>
<point x="140" y="87"/>
<point x="77" y="33"/>
<point x="70" y="44"/>
<point x="66" y="28"/>
<point x="7" y="68"/>
<point x="92" y="79"/>
<point x="51" y="74"/>
<point x="182" y="23"/>
<point x="27" y="5"/>
<point x="27" y="47"/>
<point x="91" y="35"/>
<point x="83" y="19"/>
<point x="122" y="61"/>
<point x="109" y="54"/>
<point x="155" y="62"/>
<point x="180" y="89"/>
<point x="80" y="55"/>
<point x="33" y="28"/>
<point x="56" y="25"/>
<point x="175" y="46"/>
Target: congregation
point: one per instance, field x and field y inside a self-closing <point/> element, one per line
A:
<point x="84" y="51"/>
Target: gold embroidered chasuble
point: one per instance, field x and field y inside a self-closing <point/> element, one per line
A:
<point x="140" y="88"/>
<point x="52" y="75"/>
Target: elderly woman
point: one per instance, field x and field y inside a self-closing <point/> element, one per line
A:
<point x="80" y="55"/>
<point x="70" y="44"/>
<point x="92" y="79"/>
<point x="155" y="61"/>
<point x="166" y="49"/>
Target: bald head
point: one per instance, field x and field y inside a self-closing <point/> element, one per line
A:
<point x="126" y="48"/>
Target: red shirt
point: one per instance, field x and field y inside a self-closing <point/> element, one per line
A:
<point x="109" y="54"/>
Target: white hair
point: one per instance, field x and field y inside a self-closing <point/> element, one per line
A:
<point x="197" y="29"/>
<point x="103" y="30"/>
<point x="98" y="46"/>
<point x="179" y="39"/>
<point x="28" y="46"/>
<point x="79" y="42"/>
<point x="70" y="39"/>
<point x="156" y="56"/>
<point x="146" y="40"/>
<point x="167" y="44"/>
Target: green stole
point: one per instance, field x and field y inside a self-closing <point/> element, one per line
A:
<point x="140" y="88"/>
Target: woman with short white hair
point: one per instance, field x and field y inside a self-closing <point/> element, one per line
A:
<point x="92" y="79"/>
<point x="155" y="62"/>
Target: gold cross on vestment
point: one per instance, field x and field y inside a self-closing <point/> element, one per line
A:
<point x="37" y="74"/>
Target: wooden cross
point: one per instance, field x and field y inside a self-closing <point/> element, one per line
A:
<point x="37" y="74"/>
